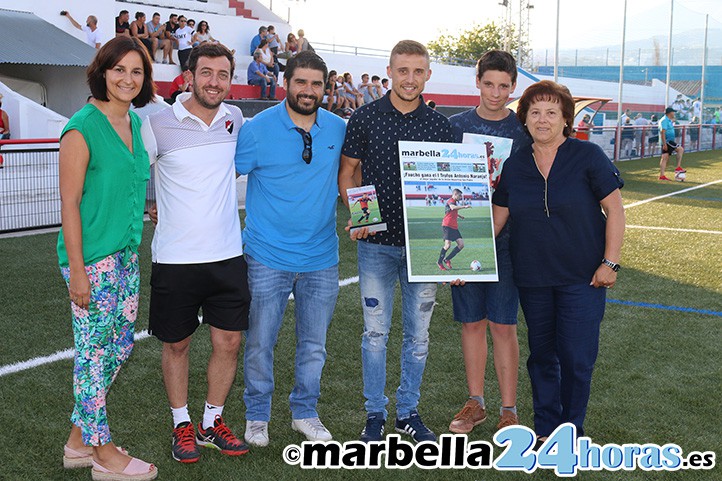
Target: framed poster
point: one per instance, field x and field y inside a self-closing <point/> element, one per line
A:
<point x="447" y="212"/>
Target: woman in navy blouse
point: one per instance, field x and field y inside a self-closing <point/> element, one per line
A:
<point x="568" y="225"/>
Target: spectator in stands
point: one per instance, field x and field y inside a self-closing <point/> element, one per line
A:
<point x="203" y="34"/>
<point x="192" y="24"/>
<point x="371" y="91"/>
<point x="138" y="29"/>
<point x="274" y="41"/>
<point x="291" y="47"/>
<point x="584" y="127"/>
<point x="170" y="27"/>
<point x="93" y="36"/>
<point x="378" y="88"/>
<point x="4" y="123"/>
<point x="122" y="27"/>
<point x="157" y="31"/>
<point x="333" y="99"/>
<point x="303" y="44"/>
<point x="267" y="57"/>
<point x="354" y="98"/>
<point x="183" y="35"/>
<point x="256" y="41"/>
<point x="385" y="85"/>
<point x="363" y="87"/>
<point x="98" y="244"/>
<point x="182" y="83"/>
<point x="258" y="74"/>
<point x="640" y="132"/>
<point x="653" y="135"/>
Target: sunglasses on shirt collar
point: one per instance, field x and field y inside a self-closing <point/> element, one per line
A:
<point x="307" y="154"/>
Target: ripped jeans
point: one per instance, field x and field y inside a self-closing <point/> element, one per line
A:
<point x="379" y="268"/>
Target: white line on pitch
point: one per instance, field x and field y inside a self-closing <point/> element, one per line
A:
<point x="635" y="204"/>
<point x="696" y="231"/>
<point x="69" y="353"/>
<point x="54" y="357"/>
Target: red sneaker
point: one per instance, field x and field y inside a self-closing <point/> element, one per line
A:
<point x="448" y="263"/>
<point x="221" y="438"/>
<point x="663" y="177"/>
<point x="441" y="266"/>
<point x="680" y="169"/>
<point x="185" y="448"/>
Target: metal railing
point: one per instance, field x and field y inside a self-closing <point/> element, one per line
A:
<point x="30" y="195"/>
<point x="29" y="190"/>
<point x="640" y="141"/>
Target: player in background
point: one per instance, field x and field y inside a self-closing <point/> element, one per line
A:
<point x="669" y="146"/>
<point x="450" y="228"/>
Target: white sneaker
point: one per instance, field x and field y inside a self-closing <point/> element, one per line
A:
<point x="312" y="428"/>
<point x="256" y="433"/>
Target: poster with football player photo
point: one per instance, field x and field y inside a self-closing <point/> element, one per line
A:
<point x="447" y="212"/>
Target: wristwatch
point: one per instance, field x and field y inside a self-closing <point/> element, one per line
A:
<point x="612" y="265"/>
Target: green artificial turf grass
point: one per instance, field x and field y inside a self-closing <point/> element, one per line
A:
<point x="657" y="378"/>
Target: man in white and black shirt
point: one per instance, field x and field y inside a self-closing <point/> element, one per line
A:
<point x="197" y="247"/>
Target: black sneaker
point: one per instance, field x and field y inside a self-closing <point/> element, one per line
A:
<point x="221" y="438"/>
<point x="185" y="448"/>
<point x="414" y="427"/>
<point x="374" y="429"/>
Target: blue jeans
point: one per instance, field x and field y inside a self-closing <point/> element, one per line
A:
<point x="315" y="296"/>
<point x="263" y="82"/>
<point x="563" y="328"/>
<point x="379" y="268"/>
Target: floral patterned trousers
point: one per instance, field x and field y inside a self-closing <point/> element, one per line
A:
<point x="103" y="336"/>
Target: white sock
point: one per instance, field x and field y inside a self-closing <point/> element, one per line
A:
<point x="209" y="415"/>
<point x="180" y="415"/>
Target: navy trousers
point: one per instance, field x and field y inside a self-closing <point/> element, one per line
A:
<point x="563" y="324"/>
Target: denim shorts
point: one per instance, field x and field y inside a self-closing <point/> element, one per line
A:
<point x="496" y="301"/>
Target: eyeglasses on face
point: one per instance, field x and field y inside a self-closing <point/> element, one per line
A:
<point x="307" y="154"/>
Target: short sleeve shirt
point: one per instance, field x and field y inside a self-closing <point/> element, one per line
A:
<point x="668" y="127"/>
<point x="558" y="236"/>
<point x="121" y="27"/>
<point x="92" y="37"/>
<point x="372" y="135"/>
<point x="113" y="201"/>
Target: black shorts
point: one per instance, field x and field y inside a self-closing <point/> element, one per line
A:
<point x="148" y="42"/>
<point x="450" y="234"/>
<point x="365" y="210"/>
<point x="671" y="146"/>
<point x="179" y="291"/>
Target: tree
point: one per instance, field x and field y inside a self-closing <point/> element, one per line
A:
<point x="469" y="45"/>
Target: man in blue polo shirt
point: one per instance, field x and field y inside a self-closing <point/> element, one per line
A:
<point x="372" y="137"/>
<point x="666" y="133"/>
<point x="291" y="155"/>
